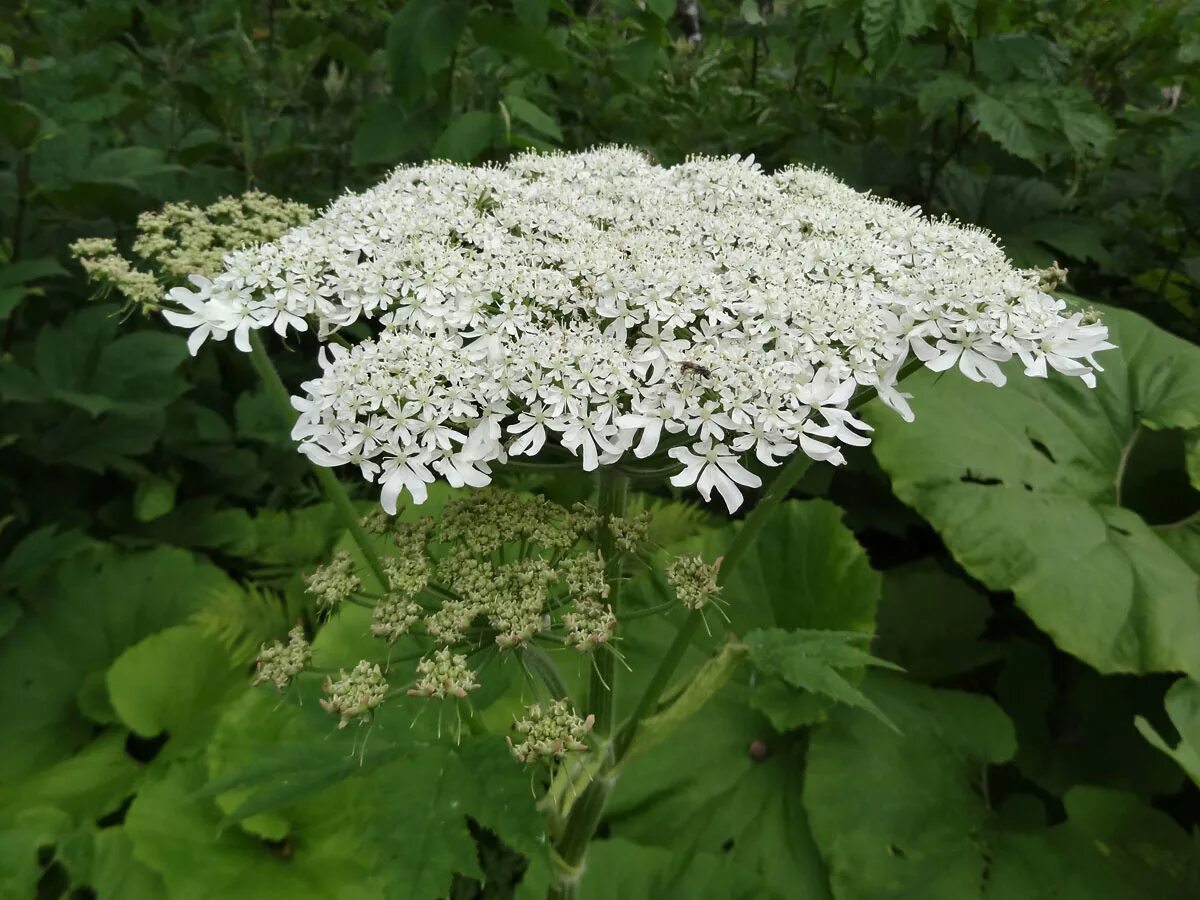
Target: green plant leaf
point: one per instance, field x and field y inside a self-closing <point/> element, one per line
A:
<point x="1183" y="707"/>
<point x="805" y="570"/>
<point x="153" y="497"/>
<point x="531" y="115"/>
<point x="1111" y="847"/>
<point x="176" y="832"/>
<point x="930" y="622"/>
<point x="535" y="13"/>
<point x="420" y="42"/>
<point x="515" y="39"/>
<point x="725" y="784"/>
<point x="427" y="796"/>
<point x="1006" y="125"/>
<point x="174" y="682"/>
<point x="622" y="870"/>
<point x="899" y="815"/>
<point x="1023" y="484"/>
<point x="95" y="606"/>
<point x="811" y="661"/>
<point x="466" y="138"/>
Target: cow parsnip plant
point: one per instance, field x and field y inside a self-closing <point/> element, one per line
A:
<point x="594" y="306"/>
<point x="1034" y="570"/>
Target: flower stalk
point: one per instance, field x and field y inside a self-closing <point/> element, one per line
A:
<point x="333" y="489"/>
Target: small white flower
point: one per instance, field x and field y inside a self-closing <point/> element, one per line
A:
<point x="596" y="302"/>
<point x="713" y="466"/>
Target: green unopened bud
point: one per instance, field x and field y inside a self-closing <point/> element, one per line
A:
<point x="694" y="581"/>
<point x="1051" y="277"/>
<point x="355" y="694"/>
<point x="333" y="583"/>
<point x="278" y="663"/>
<point x="394" y="616"/>
<point x="630" y="531"/>
<point x="376" y="522"/>
<point x="550" y="732"/>
<point x="589" y="624"/>
<point x="445" y="674"/>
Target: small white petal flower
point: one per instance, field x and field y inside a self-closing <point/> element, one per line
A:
<point x="595" y="302"/>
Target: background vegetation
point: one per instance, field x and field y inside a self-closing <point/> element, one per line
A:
<point x="1029" y="556"/>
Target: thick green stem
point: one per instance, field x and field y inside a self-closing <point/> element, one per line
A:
<point x="614" y="488"/>
<point x="601" y="698"/>
<point x="753" y="524"/>
<point x="586" y="813"/>
<point x="333" y="489"/>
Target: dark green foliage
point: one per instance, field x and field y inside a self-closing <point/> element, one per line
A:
<point x="155" y="518"/>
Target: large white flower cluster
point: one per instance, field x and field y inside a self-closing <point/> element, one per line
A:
<point x="599" y="304"/>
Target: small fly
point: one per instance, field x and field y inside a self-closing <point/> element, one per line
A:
<point x="700" y="370"/>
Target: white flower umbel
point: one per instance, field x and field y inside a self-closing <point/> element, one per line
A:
<point x="599" y="305"/>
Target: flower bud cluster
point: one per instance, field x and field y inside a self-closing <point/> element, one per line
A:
<point x="356" y="694"/>
<point x="333" y="583"/>
<point x="278" y="663"/>
<point x="394" y="616"/>
<point x="589" y="624"/>
<point x="630" y="531"/>
<point x="550" y="732"/>
<point x="694" y="581"/>
<point x="445" y="674"/>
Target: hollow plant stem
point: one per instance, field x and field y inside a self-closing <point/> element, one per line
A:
<point x="333" y="489"/>
<point x="613" y="498"/>
<point x="601" y="697"/>
<point x="585" y="815"/>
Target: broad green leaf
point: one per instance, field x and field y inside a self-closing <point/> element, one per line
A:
<point x="515" y="39"/>
<point x="174" y="682"/>
<point x="1025" y="485"/>
<point x="95" y="606"/>
<point x="420" y="42"/>
<point x="750" y="12"/>
<point x="388" y="133"/>
<point x="535" y="13"/>
<point x="525" y="111"/>
<point x="1076" y="726"/>
<point x="92" y="783"/>
<point x="154" y="497"/>
<point x="725" y="783"/>
<point x="805" y="570"/>
<point x="116" y="874"/>
<point x="20" y="124"/>
<point x="27" y="270"/>
<point x="1006" y="56"/>
<point x="962" y="12"/>
<point x="419" y="819"/>
<point x="21" y="837"/>
<point x="1086" y="125"/>
<point x="812" y="660"/>
<point x="1183" y="707"/>
<point x="1111" y="847"/>
<point x="942" y="93"/>
<point x="900" y="815"/>
<point x="177" y="833"/>
<point x="886" y="22"/>
<point x="465" y="138"/>
<point x="618" y="869"/>
<point x="930" y="622"/>
<point x="1007" y="126"/>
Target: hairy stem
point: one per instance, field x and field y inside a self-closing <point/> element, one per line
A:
<point x="614" y="488"/>
<point x="333" y="489"/>
<point x="601" y="698"/>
